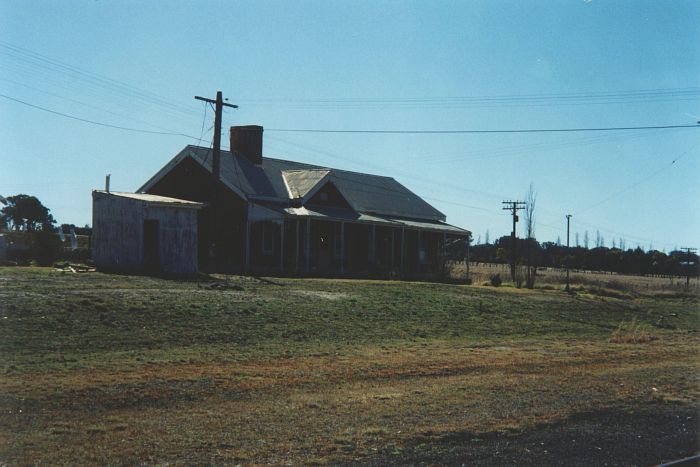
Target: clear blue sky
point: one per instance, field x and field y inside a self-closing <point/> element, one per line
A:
<point x="373" y="65"/>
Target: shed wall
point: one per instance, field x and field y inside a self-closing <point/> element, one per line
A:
<point x="118" y="242"/>
<point x="177" y="237"/>
<point x="117" y="233"/>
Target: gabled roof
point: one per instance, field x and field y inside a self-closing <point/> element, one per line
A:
<point x="302" y="182"/>
<point x="282" y="180"/>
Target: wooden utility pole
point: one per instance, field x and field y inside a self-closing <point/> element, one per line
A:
<point x="688" y="252"/>
<point x="219" y="104"/>
<point x="469" y="240"/>
<point x="568" y="224"/>
<point x="514" y="207"/>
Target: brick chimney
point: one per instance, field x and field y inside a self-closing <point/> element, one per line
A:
<point x="247" y="140"/>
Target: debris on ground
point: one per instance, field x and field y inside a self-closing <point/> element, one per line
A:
<point x="73" y="267"/>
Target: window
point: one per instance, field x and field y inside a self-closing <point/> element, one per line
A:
<point x="268" y="239"/>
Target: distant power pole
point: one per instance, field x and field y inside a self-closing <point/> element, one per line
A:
<point x="568" y="224"/>
<point x="688" y="251"/>
<point x="469" y="240"/>
<point x="514" y="207"/>
<point x="219" y="104"/>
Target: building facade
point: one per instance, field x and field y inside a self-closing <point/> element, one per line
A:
<point x="266" y="215"/>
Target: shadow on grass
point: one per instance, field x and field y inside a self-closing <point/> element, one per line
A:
<point x="615" y="436"/>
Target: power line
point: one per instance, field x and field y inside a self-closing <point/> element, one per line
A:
<point x="543" y="146"/>
<point x="638" y="182"/>
<point x="204" y="119"/>
<point x="40" y="61"/>
<point x="93" y="122"/>
<point x="616" y="97"/>
<point x="556" y="228"/>
<point x="526" y="130"/>
<point x="85" y="104"/>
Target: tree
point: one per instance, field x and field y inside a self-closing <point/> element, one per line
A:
<point x="577" y="242"/>
<point x="585" y="239"/>
<point x="486" y="241"/>
<point x="531" y="271"/>
<point x="26" y="213"/>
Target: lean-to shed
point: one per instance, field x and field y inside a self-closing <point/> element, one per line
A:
<point x="139" y="232"/>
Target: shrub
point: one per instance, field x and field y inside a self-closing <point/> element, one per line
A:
<point x="495" y="280"/>
<point x="632" y="333"/>
<point x="46" y="247"/>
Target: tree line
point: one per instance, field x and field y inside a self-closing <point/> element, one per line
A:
<point x="599" y="258"/>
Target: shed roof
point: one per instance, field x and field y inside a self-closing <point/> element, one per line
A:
<point x="283" y="180"/>
<point x="153" y="199"/>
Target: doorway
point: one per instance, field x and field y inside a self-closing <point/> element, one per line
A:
<point x="151" y="247"/>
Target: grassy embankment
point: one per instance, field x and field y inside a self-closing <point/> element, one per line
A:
<point x="105" y="368"/>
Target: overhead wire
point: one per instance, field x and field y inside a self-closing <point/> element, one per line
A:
<point x="559" y="229"/>
<point x="93" y="122"/>
<point x="37" y="61"/>
<point x="85" y="104"/>
<point x="444" y="132"/>
<point x="204" y="119"/>
<point x="523" y="100"/>
<point x="640" y="181"/>
<point x="195" y="138"/>
<point x="528" y="149"/>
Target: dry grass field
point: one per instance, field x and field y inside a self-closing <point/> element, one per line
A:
<point x="556" y="278"/>
<point x="107" y="369"/>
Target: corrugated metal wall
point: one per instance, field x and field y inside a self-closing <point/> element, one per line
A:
<point x="118" y="242"/>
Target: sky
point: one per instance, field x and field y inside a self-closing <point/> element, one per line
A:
<point x="372" y="65"/>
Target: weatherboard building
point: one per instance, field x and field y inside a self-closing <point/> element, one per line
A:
<point x="252" y="214"/>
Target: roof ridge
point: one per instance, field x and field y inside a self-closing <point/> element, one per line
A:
<point x="315" y="167"/>
<point x="306" y="170"/>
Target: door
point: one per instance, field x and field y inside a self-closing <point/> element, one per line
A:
<point x="151" y="247"/>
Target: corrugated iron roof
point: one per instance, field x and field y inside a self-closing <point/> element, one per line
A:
<point x="153" y="199"/>
<point x="365" y="193"/>
<point x="301" y="182"/>
<point x="337" y="214"/>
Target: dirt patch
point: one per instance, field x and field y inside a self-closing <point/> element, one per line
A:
<point x="321" y="294"/>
